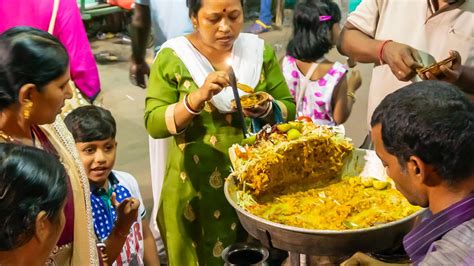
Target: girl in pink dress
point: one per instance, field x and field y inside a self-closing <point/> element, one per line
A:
<point x="320" y="87"/>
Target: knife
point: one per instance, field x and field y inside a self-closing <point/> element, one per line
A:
<point x="233" y="85"/>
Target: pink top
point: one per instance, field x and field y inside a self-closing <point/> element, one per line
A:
<point x="317" y="98"/>
<point x="69" y="29"/>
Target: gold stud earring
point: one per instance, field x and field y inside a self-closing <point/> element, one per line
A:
<point x="195" y="27"/>
<point x="27" y="109"/>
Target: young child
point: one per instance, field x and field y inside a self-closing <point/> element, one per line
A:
<point x="115" y="196"/>
<point x="320" y="87"/>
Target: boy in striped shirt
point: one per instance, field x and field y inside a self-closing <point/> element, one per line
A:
<point x="115" y="196"/>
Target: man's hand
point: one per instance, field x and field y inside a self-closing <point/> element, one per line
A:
<point x="139" y="33"/>
<point x="138" y="73"/>
<point x="361" y="259"/>
<point x="448" y="74"/>
<point x="402" y="59"/>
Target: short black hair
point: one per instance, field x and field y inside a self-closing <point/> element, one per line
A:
<point x="195" y="5"/>
<point x="312" y="37"/>
<point x="91" y="123"/>
<point x="31" y="180"/>
<point x="432" y="120"/>
<point x="28" y="55"/>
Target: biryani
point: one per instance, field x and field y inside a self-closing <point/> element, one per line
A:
<point x="249" y="101"/>
<point x="291" y="174"/>
<point x="287" y="155"/>
<point x="336" y="205"/>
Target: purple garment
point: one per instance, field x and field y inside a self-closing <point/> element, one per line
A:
<point x="418" y="242"/>
<point x="69" y="29"/>
<point x="67" y="236"/>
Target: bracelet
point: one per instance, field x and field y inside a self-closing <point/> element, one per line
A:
<point x="267" y="113"/>
<point x="352" y="95"/>
<point x="380" y="51"/>
<point x="188" y="108"/>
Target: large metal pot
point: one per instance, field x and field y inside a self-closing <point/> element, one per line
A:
<point x="332" y="243"/>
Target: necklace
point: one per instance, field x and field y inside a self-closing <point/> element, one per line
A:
<point x="6" y="137"/>
<point x="11" y="139"/>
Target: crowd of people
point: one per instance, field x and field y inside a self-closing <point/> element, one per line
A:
<point x="63" y="203"/>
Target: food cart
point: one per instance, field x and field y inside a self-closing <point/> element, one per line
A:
<point x="94" y="8"/>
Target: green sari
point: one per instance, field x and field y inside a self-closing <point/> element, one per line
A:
<point x="195" y="219"/>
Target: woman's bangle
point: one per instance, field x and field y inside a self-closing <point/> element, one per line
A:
<point x="269" y="110"/>
<point x="352" y="95"/>
<point x="188" y="107"/>
<point x="380" y="51"/>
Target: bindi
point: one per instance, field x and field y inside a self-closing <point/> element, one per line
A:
<point x="223" y="10"/>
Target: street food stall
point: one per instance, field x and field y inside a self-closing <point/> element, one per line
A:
<point x="302" y="188"/>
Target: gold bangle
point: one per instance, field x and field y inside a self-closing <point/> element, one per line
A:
<point x="268" y="111"/>
<point x="352" y="95"/>
<point x="192" y="106"/>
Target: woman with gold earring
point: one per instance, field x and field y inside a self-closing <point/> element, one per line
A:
<point x="27" y="109"/>
<point x="34" y="83"/>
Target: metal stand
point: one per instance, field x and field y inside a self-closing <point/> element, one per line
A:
<point x="297" y="259"/>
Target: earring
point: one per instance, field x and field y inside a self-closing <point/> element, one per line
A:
<point x="27" y="109"/>
<point x="195" y="27"/>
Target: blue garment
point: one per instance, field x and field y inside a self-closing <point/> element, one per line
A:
<point x="169" y="18"/>
<point x="266" y="12"/>
<point x="353" y="5"/>
<point x="103" y="212"/>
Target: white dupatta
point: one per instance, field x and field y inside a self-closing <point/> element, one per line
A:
<point x="247" y="61"/>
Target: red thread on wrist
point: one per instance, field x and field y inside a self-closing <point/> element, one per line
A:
<point x="380" y="51"/>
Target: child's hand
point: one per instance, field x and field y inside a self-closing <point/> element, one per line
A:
<point x="354" y="82"/>
<point x="127" y="212"/>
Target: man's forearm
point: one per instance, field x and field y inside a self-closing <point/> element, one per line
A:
<point x="358" y="46"/>
<point x="466" y="80"/>
<point x="140" y="30"/>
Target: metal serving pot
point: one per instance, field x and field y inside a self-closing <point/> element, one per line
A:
<point x="332" y="243"/>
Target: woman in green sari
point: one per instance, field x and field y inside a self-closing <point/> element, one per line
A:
<point x="189" y="98"/>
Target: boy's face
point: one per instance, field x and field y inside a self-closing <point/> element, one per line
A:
<point x="98" y="158"/>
